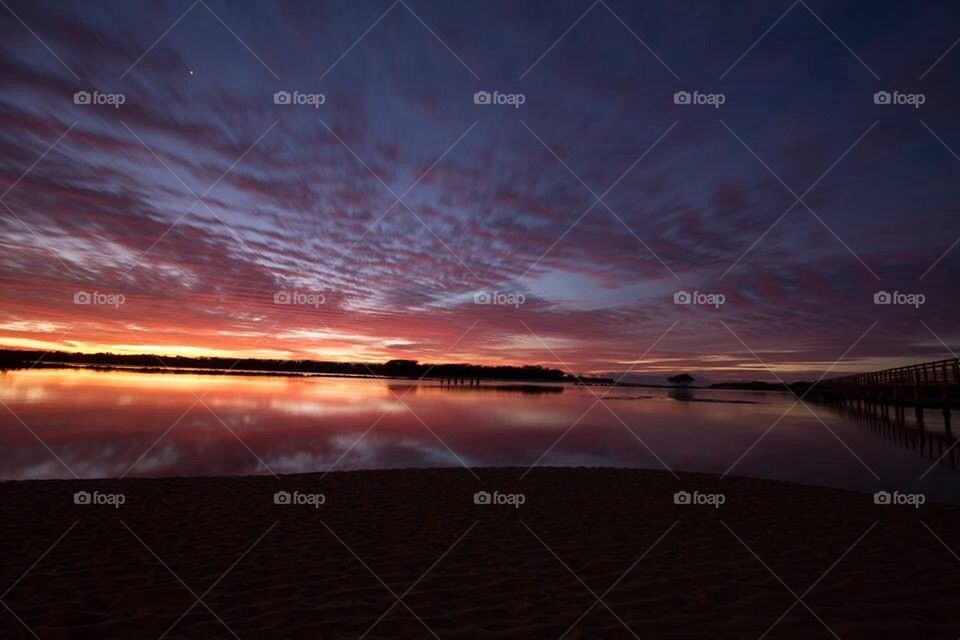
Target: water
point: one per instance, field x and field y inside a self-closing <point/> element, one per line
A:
<point x="117" y="423"/>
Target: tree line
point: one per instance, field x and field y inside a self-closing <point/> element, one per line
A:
<point x="20" y="359"/>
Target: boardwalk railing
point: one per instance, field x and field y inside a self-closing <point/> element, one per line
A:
<point x="929" y="383"/>
<point x="941" y="372"/>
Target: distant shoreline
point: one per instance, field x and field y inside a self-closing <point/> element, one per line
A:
<point x="255" y="373"/>
<point x="17" y="359"/>
<point x="525" y="382"/>
<point x="399" y="369"/>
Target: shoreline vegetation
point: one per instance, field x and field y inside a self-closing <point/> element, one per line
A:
<point x="13" y="359"/>
<point x="400" y="369"/>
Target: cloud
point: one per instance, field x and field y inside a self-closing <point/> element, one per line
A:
<point x="304" y="209"/>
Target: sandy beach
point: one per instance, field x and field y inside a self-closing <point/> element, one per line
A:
<point x="335" y="566"/>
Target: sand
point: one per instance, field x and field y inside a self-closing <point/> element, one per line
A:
<point x="463" y="570"/>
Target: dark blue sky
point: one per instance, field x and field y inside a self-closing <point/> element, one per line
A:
<point x="592" y="203"/>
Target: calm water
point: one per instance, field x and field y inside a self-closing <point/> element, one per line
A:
<point x="111" y="424"/>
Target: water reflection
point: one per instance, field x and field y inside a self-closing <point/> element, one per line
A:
<point x="485" y="388"/>
<point x="110" y="424"/>
<point x="682" y="394"/>
<point x="927" y="432"/>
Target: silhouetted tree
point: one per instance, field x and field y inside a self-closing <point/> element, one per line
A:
<point x="681" y="380"/>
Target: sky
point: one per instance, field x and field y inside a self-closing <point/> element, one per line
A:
<point x="387" y="210"/>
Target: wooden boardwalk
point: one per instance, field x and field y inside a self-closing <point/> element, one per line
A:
<point x="877" y="401"/>
<point x="929" y="384"/>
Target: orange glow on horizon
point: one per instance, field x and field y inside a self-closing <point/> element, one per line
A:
<point x="726" y="368"/>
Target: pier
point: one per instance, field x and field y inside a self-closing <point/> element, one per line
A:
<point x="878" y="401"/>
<point x="926" y="385"/>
